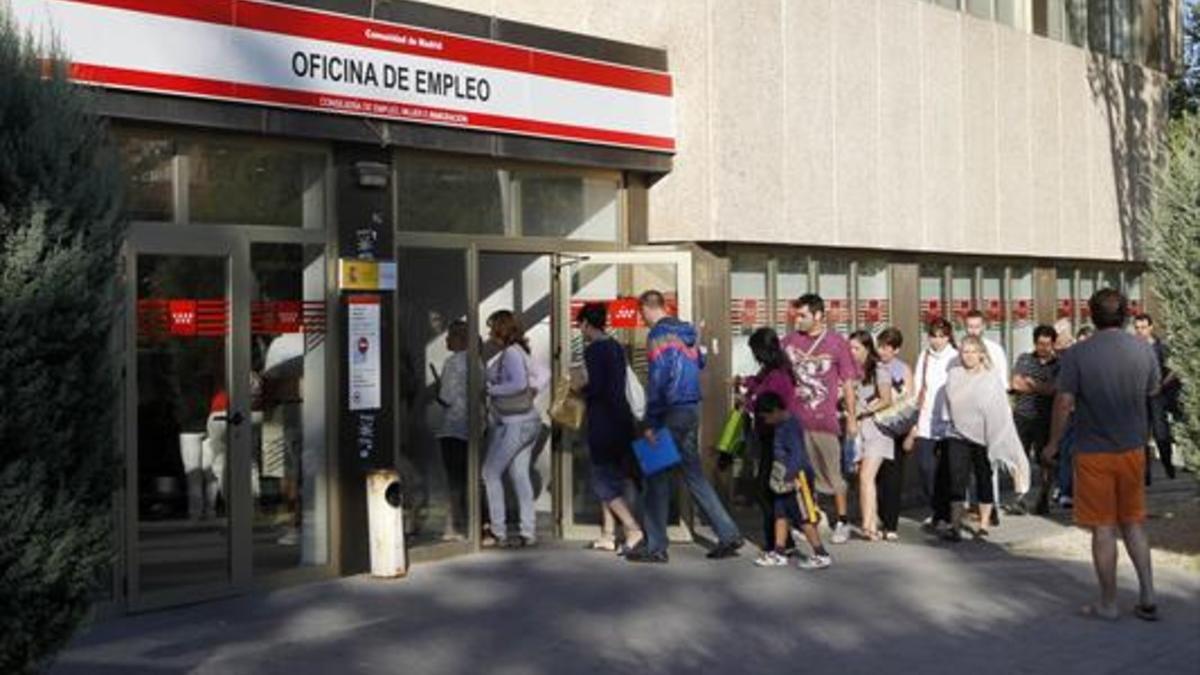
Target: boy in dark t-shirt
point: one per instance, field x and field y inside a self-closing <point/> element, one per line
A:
<point x="791" y="481"/>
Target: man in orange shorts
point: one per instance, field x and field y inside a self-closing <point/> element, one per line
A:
<point x="1106" y="381"/>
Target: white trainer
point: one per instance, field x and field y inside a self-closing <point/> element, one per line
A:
<point x="841" y="533"/>
<point x="771" y="559"/>
<point x="815" y="562"/>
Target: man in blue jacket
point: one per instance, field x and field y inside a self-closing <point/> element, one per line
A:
<point x="672" y="402"/>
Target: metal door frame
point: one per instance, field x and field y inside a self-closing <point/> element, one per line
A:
<point x="685" y="293"/>
<point x="233" y="243"/>
<point x="163" y="241"/>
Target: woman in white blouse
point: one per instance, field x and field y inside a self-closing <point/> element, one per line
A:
<point x="928" y="437"/>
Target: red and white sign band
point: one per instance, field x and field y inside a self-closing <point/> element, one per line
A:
<point x="260" y="52"/>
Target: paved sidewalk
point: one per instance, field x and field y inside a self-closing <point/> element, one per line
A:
<point x="917" y="606"/>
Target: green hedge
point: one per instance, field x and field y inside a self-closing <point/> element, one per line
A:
<point x="1173" y="241"/>
<point x="59" y="238"/>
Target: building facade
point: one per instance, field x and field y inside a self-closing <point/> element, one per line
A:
<point x="297" y="260"/>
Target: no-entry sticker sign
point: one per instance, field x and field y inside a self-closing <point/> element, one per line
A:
<point x="271" y="54"/>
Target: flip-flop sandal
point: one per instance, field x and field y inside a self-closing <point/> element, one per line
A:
<point x="603" y="545"/>
<point x="1146" y="612"/>
<point x="1092" y="612"/>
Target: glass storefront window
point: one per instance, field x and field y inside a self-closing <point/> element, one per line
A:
<point x="979" y="8"/>
<point x="1064" y="294"/>
<point x="932" y="296"/>
<point x="572" y="207"/>
<point x="1021" y="311"/>
<point x="1099" y="26"/>
<point x="1133" y="290"/>
<point x="874" y="296"/>
<point x="1087" y="286"/>
<point x="236" y="183"/>
<point x="748" y="308"/>
<point x="992" y="296"/>
<point x="833" y="283"/>
<point x="791" y="282"/>
<point x="1076" y="27"/>
<point x="962" y="294"/>
<point x="148" y="161"/>
<point x="1108" y="278"/>
<point x="439" y="195"/>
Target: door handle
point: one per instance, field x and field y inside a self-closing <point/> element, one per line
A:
<point x="237" y="418"/>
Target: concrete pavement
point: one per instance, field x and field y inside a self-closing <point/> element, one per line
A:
<point x="917" y="606"/>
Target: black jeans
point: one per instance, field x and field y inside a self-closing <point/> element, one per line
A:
<point x="935" y="476"/>
<point x="962" y="459"/>
<point x="454" y="460"/>
<point x="889" y="484"/>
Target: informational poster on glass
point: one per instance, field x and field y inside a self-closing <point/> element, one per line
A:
<point x="1021" y="311"/>
<point x="833" y="284"/>
<point x="363" y="347"/>
<point x="993" y="304"/>
<point x="748" y="309"/>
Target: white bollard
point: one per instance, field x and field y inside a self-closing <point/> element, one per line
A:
<point x="385" y="523"/>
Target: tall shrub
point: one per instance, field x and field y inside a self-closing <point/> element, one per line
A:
<point x="1173" y="241"/>
<point x="59" y="239"/>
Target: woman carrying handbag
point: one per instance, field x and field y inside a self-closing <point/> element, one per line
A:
<point x="512" y="385"/>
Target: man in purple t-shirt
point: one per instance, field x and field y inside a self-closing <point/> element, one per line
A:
<point x="824" y="366"/>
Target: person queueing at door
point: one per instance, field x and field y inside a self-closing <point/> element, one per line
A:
<point x="927" y="439"/>
<point x="774" y="376"/>
<point x="823" y="365"/>
<point x="610" y="421"/>
<point x="890" y="480"/>
<point x="672" y="401"/>
<point x="790" y="479"/>
<point x="982" y="434"/>
<point x="874" y="393"/>
<point x="454" y="434"/>
<point x="512" y="385"/>
<point x="976" y="325"/>
<point x="1033" y="380"/>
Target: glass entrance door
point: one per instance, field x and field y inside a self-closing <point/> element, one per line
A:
<point x="226" y="443"/>
<point x="190" y="421"/>
<point x="616" y="279"/>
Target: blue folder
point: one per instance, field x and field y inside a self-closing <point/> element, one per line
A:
<point x="660" y="456"/>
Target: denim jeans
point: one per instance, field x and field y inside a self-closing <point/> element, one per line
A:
<point x="510" y="447"/>
<point x="683" y="423"/>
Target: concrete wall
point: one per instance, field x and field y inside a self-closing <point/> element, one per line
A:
<point x="891" y="124"/>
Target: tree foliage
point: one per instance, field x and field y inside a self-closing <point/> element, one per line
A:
<point x="1173" y="242"/>
<point x="59" y="239"/>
